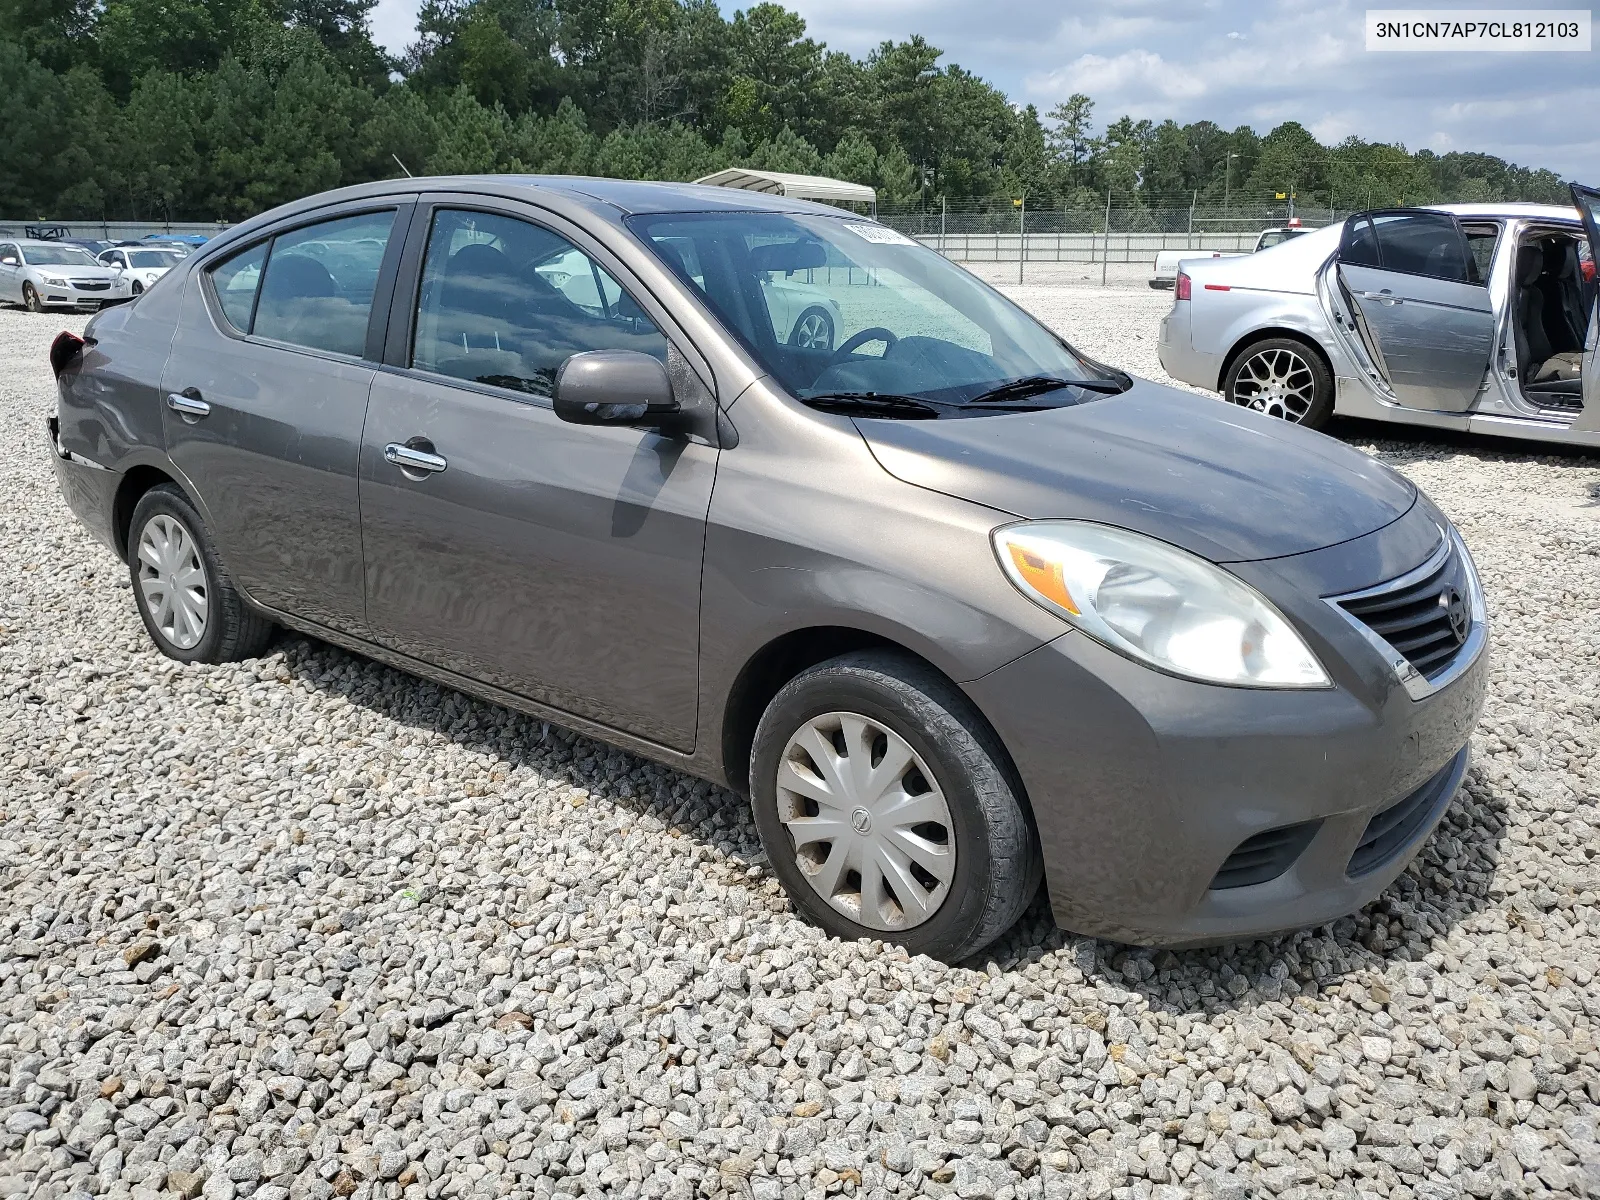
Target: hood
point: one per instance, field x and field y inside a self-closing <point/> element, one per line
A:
<point x="1220" y="481"/>
<point x="70" y="272"/>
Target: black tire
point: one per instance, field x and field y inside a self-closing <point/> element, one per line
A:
<point x="796" y="336"/>
<point x="997" y="867"/>
<point x="30" y="298"/>
<point x="233" y="630"/>
<point x="1320" y="409"/>
<point x="137" y="289"/>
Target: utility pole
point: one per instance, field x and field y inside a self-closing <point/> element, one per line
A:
<point x="1193" y="200"/>
<point x="1227" y="180"/>
<point x="943" y="206"/>
<point x="1105" y="257"/>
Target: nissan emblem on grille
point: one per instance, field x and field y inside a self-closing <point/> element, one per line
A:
<point x="1455" y="610"/>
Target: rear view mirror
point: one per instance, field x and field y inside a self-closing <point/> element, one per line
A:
<point x="614" y="387"/>
<point x="788" y="256"/>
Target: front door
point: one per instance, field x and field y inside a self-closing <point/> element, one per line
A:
<point x="1588" y="202"/>
<point x="559" y="562"/>
<point x="10" y="272"/>
<point x="1422" y="309"/>
<point x="263" y="399"/>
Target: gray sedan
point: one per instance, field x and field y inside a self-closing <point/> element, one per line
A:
<point x="1476" y="317"/>
<point x="956" y="607"/>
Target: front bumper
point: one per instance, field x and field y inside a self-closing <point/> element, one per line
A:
<point x="1144" y="786"/>
<point x="80" y="298"/>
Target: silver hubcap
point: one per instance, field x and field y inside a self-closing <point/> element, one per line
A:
<point x="813" y="333"/>
<point x="173" y="580"/>
<point x="871" y="830"/>
<point x="1277" y="382"/>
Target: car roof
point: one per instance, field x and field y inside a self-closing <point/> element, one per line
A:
<point x="1543" y="212"/>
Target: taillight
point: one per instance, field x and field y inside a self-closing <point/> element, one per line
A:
<point x="63" y="350"/>
<point x="1180" y="289"/>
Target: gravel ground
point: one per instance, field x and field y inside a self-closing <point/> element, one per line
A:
<point x="305" y="926"/>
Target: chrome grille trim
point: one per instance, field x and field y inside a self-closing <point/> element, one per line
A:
<point x="1419" y="686"/>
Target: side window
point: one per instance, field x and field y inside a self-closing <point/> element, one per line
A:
<point x="506" y="302"/>
<point x="317" y="287"/>
<point x="235" y="285"/>
<point x="8" y="251"/>
<point x="1424" y="244"/>
<point x="1360" y="246"/>
<point x="1481" y="241"/>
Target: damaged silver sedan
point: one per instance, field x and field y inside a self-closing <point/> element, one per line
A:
<point x="1477" y="317"/>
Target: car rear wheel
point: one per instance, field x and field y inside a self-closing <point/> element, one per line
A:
<point x="888" y="809"/>
<point x="188" y="603"/>
<point x="813" y="331"/>
<point x="1282" y="378"/>
<point x="30" y="298"/>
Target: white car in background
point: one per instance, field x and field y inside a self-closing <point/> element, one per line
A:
<point x="40" y="275"/>
<point x="141" y="265"/>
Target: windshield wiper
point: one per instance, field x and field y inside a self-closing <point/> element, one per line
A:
<point x="1033" y="385"/>
<point x="871" y="404"/>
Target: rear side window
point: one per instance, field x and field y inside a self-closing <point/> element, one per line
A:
<point x="235" y="283"/>
<point x="317" y="287"/>
<point x="1424" y="244"/>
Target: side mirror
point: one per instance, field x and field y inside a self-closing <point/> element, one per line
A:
<point x="8" y="261"/>
<point x="614" y="387"/>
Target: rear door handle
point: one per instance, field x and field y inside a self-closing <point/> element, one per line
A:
<point x="408" y="458"/>
<point x="188" y="404"/>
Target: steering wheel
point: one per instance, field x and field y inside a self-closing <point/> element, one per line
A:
<point x="876" y="333"/>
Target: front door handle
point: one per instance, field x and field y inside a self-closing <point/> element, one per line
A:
<point x="188" y="405"/>
<point x="409" y="458"/>
<point x="1384" y="297"/>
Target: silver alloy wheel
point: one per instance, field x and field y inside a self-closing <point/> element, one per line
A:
<point x="1276" y="381"/>
<point x="871" y="830"/>
<point x="813" y="332"/>
<point x="172" y="577"/>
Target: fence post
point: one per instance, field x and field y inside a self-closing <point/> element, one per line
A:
<point x="1195" y="199"/>
<point x="1106" y="256"/>
<point x="943" y="206"/>
<point x="1022" y="235"/>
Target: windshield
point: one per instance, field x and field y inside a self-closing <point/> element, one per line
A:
<point x="153" y="258"/>
<point x="833" y="306"/>
<point x="57" y="256"/>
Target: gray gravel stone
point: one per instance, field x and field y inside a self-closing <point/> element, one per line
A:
<point x="387" y="941"/>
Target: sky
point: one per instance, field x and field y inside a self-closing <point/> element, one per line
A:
<point x="1245" y="62"/>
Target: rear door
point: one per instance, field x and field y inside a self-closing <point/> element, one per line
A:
<point x="264" y="396"/>
<point x="1421" y="305"/>
<point x="10" y="272"/>
<point x="1588" y="202"/>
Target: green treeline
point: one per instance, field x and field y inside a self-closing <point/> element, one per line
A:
<point x="217" y="109"/>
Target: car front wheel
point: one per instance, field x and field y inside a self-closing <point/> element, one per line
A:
<point x="1283" y="378"/>
<point x="813" y="331"/>
<point x="188" y="603"/>
<point x="30" y="299"/>
<point x="888" y="809"/>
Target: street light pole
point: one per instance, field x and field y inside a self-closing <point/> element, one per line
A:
<point x="1227" y="180"/>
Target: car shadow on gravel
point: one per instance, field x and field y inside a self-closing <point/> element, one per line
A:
<point x="1402" y="445"/>
<point x="1450" y="879"/>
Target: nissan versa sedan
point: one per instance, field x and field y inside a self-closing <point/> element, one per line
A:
<point x="1477" y="317"/>
<point x="955" y="606"/>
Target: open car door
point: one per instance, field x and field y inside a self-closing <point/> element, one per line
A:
<point x="1588" y="202"/>
<point x="1423" y="311"/>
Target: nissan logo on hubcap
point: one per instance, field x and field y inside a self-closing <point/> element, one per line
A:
<point x="1455" y="611"/>
<point x="861" y="820"/>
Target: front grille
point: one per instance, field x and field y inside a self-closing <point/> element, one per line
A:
<point x="1264" y="856"/>
<point x="1395" y="826"/>
<point x="1426" y="617"/>
<point x="91" y="285"/>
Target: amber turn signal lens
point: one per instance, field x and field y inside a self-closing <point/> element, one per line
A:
<point x="1043" y="576"/>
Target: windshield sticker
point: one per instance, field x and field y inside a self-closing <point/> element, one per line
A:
<point x="881" y="234"/>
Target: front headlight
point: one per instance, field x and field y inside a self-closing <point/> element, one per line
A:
<point x="1157" y="604"/>
<point x="52" y="281"/>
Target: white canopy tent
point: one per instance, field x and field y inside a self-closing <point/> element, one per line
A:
<point x="798" y="187"/>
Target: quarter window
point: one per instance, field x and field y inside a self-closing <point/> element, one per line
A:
<point x="318" y="283"/>
<point x="506" y="302"/>
<point x="235" y="285"/>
